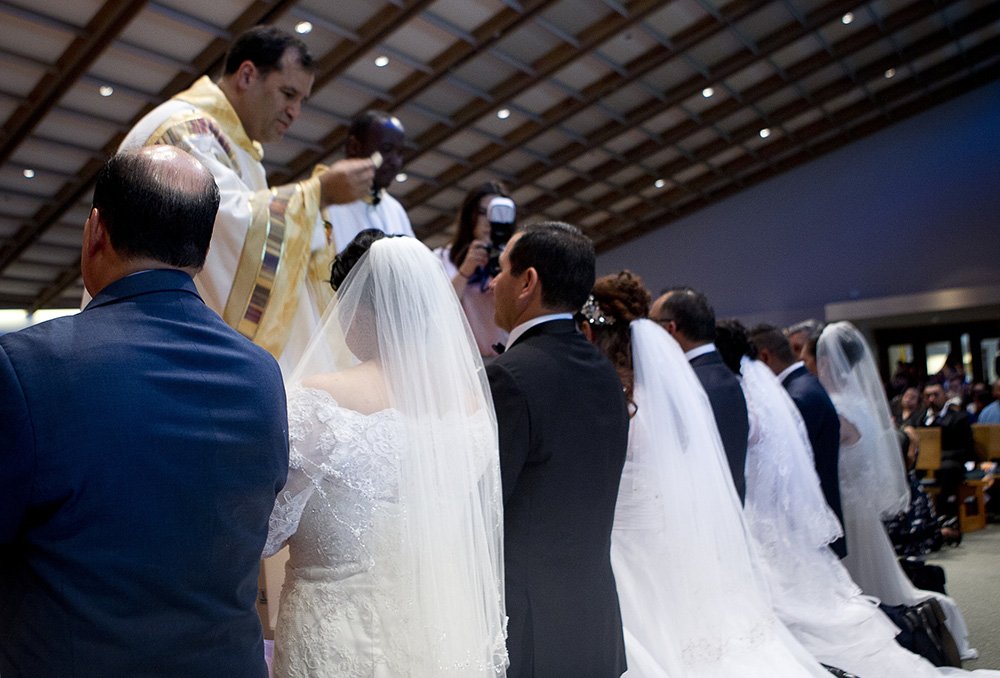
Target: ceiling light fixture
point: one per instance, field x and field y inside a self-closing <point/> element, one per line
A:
<point x="891" y="72"/>
<point x="106" y="90"/>
<point x="303" y="27"/>
<point x="503" y="113"/>
<point x="765" y="133"/>
<point x="847" y="18"/>
<point x="659" y="183"/>
<point x="382" y="61"/>
<point x="707" y="92"/>
<point x="401" y="177"/>
<point x="29" y="173"/>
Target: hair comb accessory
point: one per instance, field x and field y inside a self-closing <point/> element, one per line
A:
<point x="592" y="312"/>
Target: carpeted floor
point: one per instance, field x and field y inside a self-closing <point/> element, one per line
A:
<point x="972" y="573"/>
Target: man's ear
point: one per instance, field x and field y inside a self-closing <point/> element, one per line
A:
<point x="95" y="234"/>
<point x="244" y="75"/>
<point x="530" y="284"/>
<point x="764" y="356"/>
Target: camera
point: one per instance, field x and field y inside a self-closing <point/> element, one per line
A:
<point x="500" y="212"/>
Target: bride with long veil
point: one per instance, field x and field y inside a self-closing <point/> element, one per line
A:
<point x="392" y="509"/>
<point x="873" y="481"/>
<point x="792" y="525"/>
<point x="692" y="598"/>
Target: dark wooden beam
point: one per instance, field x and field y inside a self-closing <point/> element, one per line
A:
<point x="688" y="39"/>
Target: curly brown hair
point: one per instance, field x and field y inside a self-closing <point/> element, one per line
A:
<point x="622" y="298"/>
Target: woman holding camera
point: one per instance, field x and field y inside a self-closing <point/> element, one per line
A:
<point x="465" y="259"/>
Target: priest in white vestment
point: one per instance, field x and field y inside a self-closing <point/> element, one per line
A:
<point x="268" y="246"/>
<point x="372" y="132"/>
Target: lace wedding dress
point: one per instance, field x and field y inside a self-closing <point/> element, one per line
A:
<point x="873" y="482"/>
<point x="812" y="592"/>
<point x="394" y="518"/>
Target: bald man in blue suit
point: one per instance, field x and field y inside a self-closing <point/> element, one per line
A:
<point x="144" y="442"/>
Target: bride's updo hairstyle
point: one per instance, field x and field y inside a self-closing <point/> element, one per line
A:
<point x="351" y="255"/>
<point x="732" y="341"/>
<point x="616" y="301"/>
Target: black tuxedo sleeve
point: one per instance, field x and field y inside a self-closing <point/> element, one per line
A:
<point x="512" y="422"/>
<point x="17" y="459"/>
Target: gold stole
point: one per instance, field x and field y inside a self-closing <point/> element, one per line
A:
<point x="276" y="251"/>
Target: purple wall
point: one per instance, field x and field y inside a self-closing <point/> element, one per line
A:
<point x="912" y="208"/>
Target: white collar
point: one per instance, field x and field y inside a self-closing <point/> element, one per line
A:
<point x="699" y="350"/>
<point x="788" y="370"/>
<point x="538" y="320"/>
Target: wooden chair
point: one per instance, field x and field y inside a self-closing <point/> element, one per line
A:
<point x="929" y="455"/>
<point x="986" y="438"/>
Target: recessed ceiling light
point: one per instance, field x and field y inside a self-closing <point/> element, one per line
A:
<point x="29" y="173"/>
<point x="503" y="113"/>
<point x="847" y="18"/>
<point x="303" y="27"/>
<point x="659" y="183"/>
<point x="401" y="177"/>
<point x="707" y="92"/>
<point x="765" y="133"/>
<point x="382" y="61"/>
<point x="891" y="72"/>
<point x="106" y="90"/>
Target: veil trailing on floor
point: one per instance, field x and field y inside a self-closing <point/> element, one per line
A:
<point x="694" y="602"/>
<point x="439" y="566"/>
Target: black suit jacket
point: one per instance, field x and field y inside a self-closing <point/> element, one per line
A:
<point x="957" y="445"/>
<point x="143" y="444"/>
<point x="823" y="426"/>
<point x="563" y="433"/>
<point x="730" y="409"/>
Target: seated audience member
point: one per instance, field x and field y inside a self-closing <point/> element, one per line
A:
<point x="979" y="398"/>
<point x="956" y="445"/>
<point x="465" y="261"/>
<point x="690" y="320"/>
<point x="816" y="408"/>
<point x="906" y="411"/>
<point x="144" y="443"/>
<point x="990" y="414"/>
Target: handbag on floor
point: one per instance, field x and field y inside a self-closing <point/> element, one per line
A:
<point x="922" y="631"/>
<point x="924" y="576"/>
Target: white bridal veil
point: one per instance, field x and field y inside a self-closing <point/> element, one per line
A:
<point x="877" y="479"/>
<point x="441" y="555"/>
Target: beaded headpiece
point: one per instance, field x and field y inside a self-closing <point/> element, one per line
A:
<point x="592" y="312"/>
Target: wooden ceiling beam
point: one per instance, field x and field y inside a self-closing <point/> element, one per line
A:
<point x="457" y="54"/>
<point x="811" y="64"/>
<point x="259" y="11"/>
<point x="696" y="34"/>
<point x="785" y="154"/>
<point x="82" y="52"/>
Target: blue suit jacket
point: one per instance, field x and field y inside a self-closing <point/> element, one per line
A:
<point x="144" y="442"/>
<point x="729" y="406"/>
<point x="823" y="426"/>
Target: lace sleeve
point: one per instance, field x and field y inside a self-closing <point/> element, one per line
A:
<point x="310" y="437"/>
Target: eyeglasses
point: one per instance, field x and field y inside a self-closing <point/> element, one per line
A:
<point x="481" y="211"/>
<point x="662" y="321"/>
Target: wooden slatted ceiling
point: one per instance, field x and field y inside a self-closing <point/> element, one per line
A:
<point x="608" y="125"/>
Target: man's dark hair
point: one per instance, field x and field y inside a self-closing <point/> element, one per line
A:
<point x="351" y="255"/>
<point x="564" y="259"/>
<point x="692" y="313"/>
<point x="149" y="214"/>
<point x="365" y="121"/>
<point x="769" y="338"/>
<point x="732" y="341"/>
<point x="264" y="46"/>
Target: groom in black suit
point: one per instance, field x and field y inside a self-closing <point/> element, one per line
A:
<point x="563" y="431"/>
<point x="816" y="408"/>
<point x="688" y="317"/>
